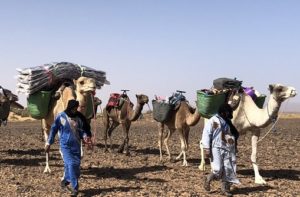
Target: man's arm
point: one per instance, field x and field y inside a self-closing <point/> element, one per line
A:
<point x="207" y="135"/>
<point x="54" y="130"/>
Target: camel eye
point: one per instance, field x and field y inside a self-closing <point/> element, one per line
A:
<point x="279" y="89"/>
<point x="81" y="82"/>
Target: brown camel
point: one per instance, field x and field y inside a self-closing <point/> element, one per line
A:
<point x="84" y="87"/>
<point x="124" y="116"/>
<point x="180" y="120"/>
<point x="8" y="101"/>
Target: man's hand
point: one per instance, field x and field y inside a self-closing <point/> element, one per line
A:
<point x="47" y="148"/>
<point x="88" y="142"/>
<point x="207" y="153"/>
<point x="230" y="141"/>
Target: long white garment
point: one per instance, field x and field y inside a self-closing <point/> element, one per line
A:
<point x="217" y="137"/>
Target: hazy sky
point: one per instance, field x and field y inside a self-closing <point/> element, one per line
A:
<point x="156" y="47"/>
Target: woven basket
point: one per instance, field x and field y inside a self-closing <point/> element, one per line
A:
<point x="38" y="104"/>
<point x="207" y="104"/>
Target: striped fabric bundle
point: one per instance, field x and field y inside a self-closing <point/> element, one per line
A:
<point x="45" y="77"/>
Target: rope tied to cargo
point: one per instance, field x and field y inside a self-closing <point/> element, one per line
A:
<point x="81" y="69"/>
<point x="49" y="74"/>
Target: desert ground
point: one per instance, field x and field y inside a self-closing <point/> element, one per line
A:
<point x="22" y="161"/>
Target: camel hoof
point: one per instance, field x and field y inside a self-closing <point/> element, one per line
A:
<point x="260" y="181"/>
<point x="47" y="170"/>
<point x="185" y="163"/>
<point x="201" y="167"/>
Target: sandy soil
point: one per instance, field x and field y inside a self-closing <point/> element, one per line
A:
<point x="22" y="161"/>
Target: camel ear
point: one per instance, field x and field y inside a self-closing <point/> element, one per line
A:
<point x="137" y="96"/>
<point x="74" y="81"/>
<point x="271" y="88"/>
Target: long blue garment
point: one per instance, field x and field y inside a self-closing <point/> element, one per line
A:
<point x="70" y="134"/>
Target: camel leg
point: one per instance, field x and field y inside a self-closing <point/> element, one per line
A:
<point x="186" y="138"/>
<point x="46" y="130"/>
<point x="125" y="136"/>
<point x="202" y="163"/>
<point x="106" y="127"/>
<point x="81" y="149"/>
<point x="183" y="147"/>
<point x="258" y="177"/>
<point x="108" y="133"/>
<point x="170" y="132"/>
<point x="161" y="128"/>
<point x="126" y="142"/>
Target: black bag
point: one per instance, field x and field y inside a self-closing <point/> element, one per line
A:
<point x="161" y="110"/>
<point x="226" y="83"/>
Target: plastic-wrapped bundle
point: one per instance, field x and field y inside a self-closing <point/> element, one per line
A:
<point x="34" y="79"/>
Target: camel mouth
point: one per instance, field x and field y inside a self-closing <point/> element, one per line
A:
<point x="90" y="89"/>
<point x="293" y="93"/>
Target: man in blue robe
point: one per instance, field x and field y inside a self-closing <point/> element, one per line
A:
<point x="72" y="127"/>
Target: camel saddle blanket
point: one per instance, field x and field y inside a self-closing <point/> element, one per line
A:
<point x="113" y="100"/>
<point x="161" y="110"/>
<point x="176" y="99"/>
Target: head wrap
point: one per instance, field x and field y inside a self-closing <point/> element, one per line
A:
<point x="225" y="111"/>
<point x="72" y="104"/>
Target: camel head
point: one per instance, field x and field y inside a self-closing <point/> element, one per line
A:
<point x="3" y="98"/>
<point x="6" y="96"/>
<point x="142" y="99"/>
<point x="281" y="92"/>
<point x="85" y="85"/>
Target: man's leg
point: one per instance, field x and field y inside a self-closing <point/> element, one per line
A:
<point x="216" y="164"/>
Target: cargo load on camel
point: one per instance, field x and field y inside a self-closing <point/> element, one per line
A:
<point x="163" y="107"/>
<point x="225" y="90"/>
<point x="41" y="84"/>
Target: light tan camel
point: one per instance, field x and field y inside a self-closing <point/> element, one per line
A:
<point x="84" y="87"/>
<point x="248" y="117"/>
<point x="124" y="116"/>
<point x="180" y="120"/>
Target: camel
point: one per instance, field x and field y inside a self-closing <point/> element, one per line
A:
<point x="248" y="117"/>
<point x="8" y="102"/>
<point x="180" y="120"/>
<point x="124" y="116"/>
<point x="84" y="87"/>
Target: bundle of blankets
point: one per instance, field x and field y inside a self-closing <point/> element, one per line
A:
<point x="45" y="77"/>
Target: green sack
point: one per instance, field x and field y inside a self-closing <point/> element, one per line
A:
<point x="38" y="104"/>
<point x="161" y="111"/>
<point x="259" y="101"/>
<point x="208" y="104"/>
<point x="89" y="114"/>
